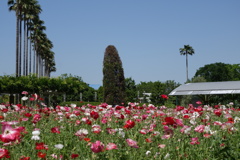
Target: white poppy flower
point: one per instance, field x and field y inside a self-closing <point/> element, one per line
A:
<point x="58" y="146"/>
<point x="24" y="98"/>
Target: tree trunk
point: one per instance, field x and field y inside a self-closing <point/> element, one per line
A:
<point x="187" y="66"/>
<point x="24" y="48"/>
<point x="20" y="47"/>
<point x="17" y="46"/>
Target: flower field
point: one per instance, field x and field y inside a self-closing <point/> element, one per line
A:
<point x="134" y="132"/>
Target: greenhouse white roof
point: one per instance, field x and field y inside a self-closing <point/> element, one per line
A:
<point x="227" y="87"/>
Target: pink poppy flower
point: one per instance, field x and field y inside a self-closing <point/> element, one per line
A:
<point x="4" y="153"/>
<point x="82" y="133"/>
<point x="104" y="120"/>
<point x="36" y="118"/>
<point x="168" y="132"/>
<point x="185" y="129"/>
<point x="144" y="131"/>
<point x="179" y="122"/>
<point x="97" y="147"/>
<point x="132" y="143"/>
<point x="111" y="131"/>
<point x="161" y="145"/>
<point x="24" y="92"/>
<point x="198" y="102"/>
<point x="96" y="129"/>
<point x="111" y="146"/>
<point x="199" y="128"/>
<point x="194" y="141"/>
<point x="10" y="134"/>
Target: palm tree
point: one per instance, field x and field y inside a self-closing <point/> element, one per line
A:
<point x="31" y="9"/>
<point x="185" y="51"/>
<point x="14" y="6"/>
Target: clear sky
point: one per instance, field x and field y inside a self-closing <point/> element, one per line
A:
<point x="147" y="35"/>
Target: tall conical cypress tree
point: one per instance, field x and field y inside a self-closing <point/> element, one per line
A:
<point x="113" y="77"/>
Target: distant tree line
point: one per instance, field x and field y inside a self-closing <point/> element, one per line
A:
<point x="68" y="85"/>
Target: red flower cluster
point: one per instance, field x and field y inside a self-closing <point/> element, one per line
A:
<point x="164" y="96"/>
<point x="129" y="124"/>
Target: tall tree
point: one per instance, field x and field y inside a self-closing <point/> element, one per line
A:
<point x="113" y="77"/>
<point x="186" y="50"/>
<point x="14" y="5"/>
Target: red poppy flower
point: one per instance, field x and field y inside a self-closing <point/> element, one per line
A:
<point x="28" y="114"/>
<point x="4" y="110"/>
<point x="230" y="120"/>
<point x="4" y="153"/>
<point x="41" y="155"/>
<point x="41" y="146"/>
<point x="170" y="121"/>
<point x="74" y="156"/>
<point x="148" y="140"/>
<point x="129" y="124"/>
<point x="94" y="115"/>
<point x="164" y="96"/>
<point x="87" y="139"/>
<point x="25" y="158"/>
<point x="1" y="117"/>
<point x="218" y="112"/>
<point x="55" y="130"/>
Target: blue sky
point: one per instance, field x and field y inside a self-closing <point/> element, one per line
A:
<point x="147" y="35"/>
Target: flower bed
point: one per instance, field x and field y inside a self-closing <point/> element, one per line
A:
<point x="105" y="132"/>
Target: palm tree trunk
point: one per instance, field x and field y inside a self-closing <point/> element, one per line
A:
<point x="17" y="46"/>
<point x="24" y="48"/>
<point x="20" y="47"/>
<point x="30" y="57"/>
<point x="187" y="66"/>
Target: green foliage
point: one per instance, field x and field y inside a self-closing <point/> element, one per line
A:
<point x="131" y="90"/>
<point x="113" y="77"/>
<point x="69" y="85"/>
<point x="156" y="89"/>
<point x="219" y="72"/>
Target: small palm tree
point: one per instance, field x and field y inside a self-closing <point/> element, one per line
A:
<point x="185" y="51"/>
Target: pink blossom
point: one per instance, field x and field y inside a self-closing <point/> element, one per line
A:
<point x="217" y="123"/>
<point x="198" y="102"/>
<point x="97" y="147"/>
<point x="96" y="129"/>
<point x="111" y="146"/>
<point x="143" y="131"/>
<point x="24" y="92"/>
<point x="111" y="131"/>
<point x="194" y="141"/>
<point x="168" y="132"/>
<point x="179" y="122"/>
<point x="10" y="134"/>
<point x="36" y="118"/>
<point x="132" y="143"/>
<point x="82" y="133"/>
<point x="161" y="145"/>
<point x="199" y="128"/>
<point x="185" y="129"/>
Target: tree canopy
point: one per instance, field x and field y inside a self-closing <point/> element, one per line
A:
<point x="219" y="72"/>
